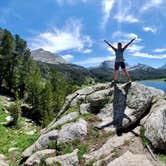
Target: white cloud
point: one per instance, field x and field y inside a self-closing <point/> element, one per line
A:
<point x="121" y="12"/>
<point x="107" y="6"/>
<point x="125" y="37"/>
<point x="151" y="4"/>
<point x="65" y="38"/>
<point x="135" y="48"/>
<point x="94" y="60"/>
<point x="150" y="29"/>
<point x="87" y="51"/>
<point x="125" y="12"/>
<point x="121" y="17"/>
<point x="160" y="50"/>
<point x="68" y="57"/>
<point x="146" y="55"/>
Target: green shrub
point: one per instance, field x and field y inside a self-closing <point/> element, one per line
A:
<point x="82" y="149"/>
<point x="145" y="140"/>
<point x="91" y="162"/>
<point x="58" y="164"/>
<point x="64" y="148"/>
<point x="52" y="145"/>
<point x="162" y="158"/>
<point x="14" y="110"/>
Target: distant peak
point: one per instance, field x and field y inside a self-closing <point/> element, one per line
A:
<point x="39" y="49"/>
<point x="45" y="56"/>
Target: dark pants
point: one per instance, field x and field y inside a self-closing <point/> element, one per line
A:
<point x="119" y="64"/>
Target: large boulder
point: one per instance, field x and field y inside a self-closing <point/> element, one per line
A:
<point x="128" y="102"/>
<point x="72" y="131"/>
<point x="155" y="125"/>
<point x="132" y="102"/>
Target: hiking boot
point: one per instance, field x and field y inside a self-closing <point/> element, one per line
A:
<point x="112" y="83"/>
<point x="130" y="81"/>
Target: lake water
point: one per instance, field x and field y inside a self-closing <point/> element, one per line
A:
<point x="156" y="84"/>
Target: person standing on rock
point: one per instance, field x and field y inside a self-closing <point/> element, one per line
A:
<point x="119" y="61"/>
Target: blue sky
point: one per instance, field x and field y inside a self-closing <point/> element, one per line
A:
<point x="75" y="29"/>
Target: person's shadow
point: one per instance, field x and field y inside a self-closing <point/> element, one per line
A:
<point x="119" y="106"/>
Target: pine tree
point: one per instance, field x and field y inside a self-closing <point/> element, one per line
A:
<point x="6" y="57"/>
<point x="47" y="104"/>
<point x="24" y="61"/>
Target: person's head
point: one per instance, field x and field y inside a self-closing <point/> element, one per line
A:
<point x="119" y="45"/>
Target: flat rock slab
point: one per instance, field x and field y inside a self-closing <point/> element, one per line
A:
<point x="70" y="159"/>
<point x="129" y="159"/>
<point x="38" y="156"/>
<point x="108" y="147"/>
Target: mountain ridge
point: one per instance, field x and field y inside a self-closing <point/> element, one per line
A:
<point x="42" y="55"/>
<point x="101" y="73"/>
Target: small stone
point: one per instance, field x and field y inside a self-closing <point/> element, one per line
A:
<point x="9" y="118"/>
<point x="13" y="149"/>
<point x="32" y="132"/>
<point x="2" y="157"/>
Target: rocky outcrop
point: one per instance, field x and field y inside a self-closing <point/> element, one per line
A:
<point x="101" y="114"/>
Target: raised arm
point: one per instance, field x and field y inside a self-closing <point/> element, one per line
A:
<point x="128" y="43"/>
<point x="110" y="45"/>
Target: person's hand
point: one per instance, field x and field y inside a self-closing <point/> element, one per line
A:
<point x="105" y="41"/>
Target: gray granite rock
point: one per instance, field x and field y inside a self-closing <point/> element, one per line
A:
<point x="155" y="125"/>
<point x="38" y="156"/>
<point x="72" y="131"/>
<point x="42" y="142"/>
<point x="129" y="159"/>
<point x="62" y="120"/>
<point x="70" y="159"/>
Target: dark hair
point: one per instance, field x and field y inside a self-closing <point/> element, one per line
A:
<point x="119" y="43"/>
